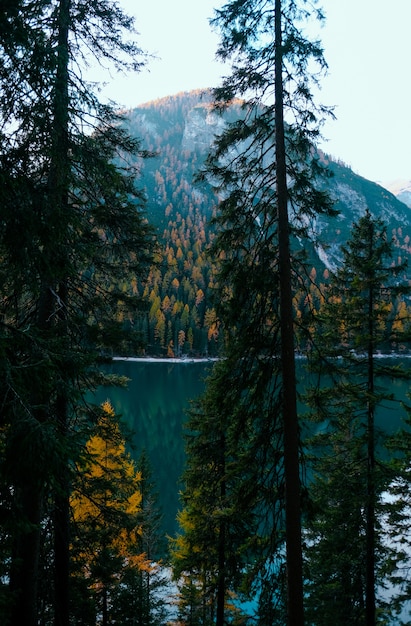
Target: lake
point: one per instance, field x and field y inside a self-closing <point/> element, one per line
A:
<point x="154" y="407"/>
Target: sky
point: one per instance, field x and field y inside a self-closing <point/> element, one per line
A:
<point x="367" y="45"/>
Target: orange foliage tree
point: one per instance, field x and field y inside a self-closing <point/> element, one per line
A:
<point x="105" y="502"/>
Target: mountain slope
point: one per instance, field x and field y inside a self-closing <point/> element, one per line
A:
<point x="180" y="129"/>
<point x="401" y="190"/>
<point x="352" y="195"/>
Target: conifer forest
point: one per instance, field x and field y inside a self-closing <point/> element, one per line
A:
<point x="202" y="225"/>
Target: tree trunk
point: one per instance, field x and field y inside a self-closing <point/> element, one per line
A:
<point x="104" y="607"/>
<point x="62" y="528"/>
<point x="58" y="190"/>
<point x="221" y="587"/>
<point x="25" y="559"/>
<point x="295" y="612"/>
<point x="370" y="505"/>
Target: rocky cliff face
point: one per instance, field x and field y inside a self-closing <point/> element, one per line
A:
<point x="200" y="127"/>
<point x="352" y="195"/>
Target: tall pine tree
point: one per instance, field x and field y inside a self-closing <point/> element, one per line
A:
<point x="354" y="324"/>
<point x="220" y="536"/>
<point x="79" y="222"/>
<point x="265" y="168"/>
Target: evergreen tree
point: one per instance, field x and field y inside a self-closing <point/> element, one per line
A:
<point x="80" y="227"/>
<point x="346" y="555"/>
<point x="215" y="551"/>
<point x="396" y="522"/>
<point x="149" y="585"/>
<point x="265" y="171"/>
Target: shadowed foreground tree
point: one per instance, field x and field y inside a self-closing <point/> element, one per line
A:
<point x="347" y="560"/>
<point x="72" y="227"/>
<point x="150" y="584"/>
<point x="266" y="170"/>
<point x="396" y="520"/>
<point x="213" y="556"/>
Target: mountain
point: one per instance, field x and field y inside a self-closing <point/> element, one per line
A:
<point x="401" y="190"/>
<point x="352" y="195"/>
<point x="179" y="130"/>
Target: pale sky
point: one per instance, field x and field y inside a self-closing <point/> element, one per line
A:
<point x="367" y="46"/>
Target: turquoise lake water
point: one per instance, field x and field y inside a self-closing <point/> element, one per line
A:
<point x="154" y="407"/>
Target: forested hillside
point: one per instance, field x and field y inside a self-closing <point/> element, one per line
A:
<point x="180" y="316"/>
<point x="179" y="130"/>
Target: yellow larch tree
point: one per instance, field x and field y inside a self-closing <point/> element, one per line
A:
<point x="105" y="503"/>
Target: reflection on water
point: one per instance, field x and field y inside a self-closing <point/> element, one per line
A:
<point x="154" y="408"/>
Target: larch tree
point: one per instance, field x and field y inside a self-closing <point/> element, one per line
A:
<point x="106" y="504"/>
<point x="266" y="170"/>
<point x="73" y="226"/>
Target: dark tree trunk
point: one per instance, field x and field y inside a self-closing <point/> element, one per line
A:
<point x="58" y="190"/>
<point x="104" y="608"/>
<point x="62" y="529"/>
<point x="221" y="588"/>
<point x="295" y="613"/>
<point x="370" y="505"/>
<point x="25" y="559"/>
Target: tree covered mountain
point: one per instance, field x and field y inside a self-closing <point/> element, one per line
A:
<point x="179" y="131"/>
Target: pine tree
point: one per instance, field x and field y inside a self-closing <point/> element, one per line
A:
<point x="353" y="325"/>
<point x="266" y="172"/>
<point x="149" y="585"/>
<point x="214" y="551"/>
<point x="80" y="227"/>
<point x="396" y="521"/>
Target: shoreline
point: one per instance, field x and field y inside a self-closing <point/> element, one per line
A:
<point x="189" y="359"/>
<point x="153" y="359"/>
